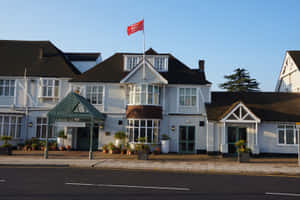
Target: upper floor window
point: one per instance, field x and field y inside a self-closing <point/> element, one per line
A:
<point x="160" y="63"/>
<point x="187" y="96"/>
<point x="49" y="88"/>
<point x="131" y="62"/>
<point x="7" y="88"/>
<point x="94" y="94"/>
<point x="287" y="134"/>
<point x="144" y="94"/>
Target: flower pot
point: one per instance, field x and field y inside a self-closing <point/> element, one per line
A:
<point x="165" y="146"/>
<point x="117" y="142"/>
<point x="60" y="142"/>
<point x="243" y="157"/>
<point x="61" y="148"/>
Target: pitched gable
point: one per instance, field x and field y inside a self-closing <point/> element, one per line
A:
<point x="151" y="75"/>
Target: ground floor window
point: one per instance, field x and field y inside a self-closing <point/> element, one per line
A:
<point x="10" y="126"/>
<point x="143" y="128"/>
<point x="41" y="128"/>
<point x="287" y="134"/>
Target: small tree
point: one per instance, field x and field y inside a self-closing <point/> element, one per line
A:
<point x="6" y="139"/>
<point x="240" y="81"/>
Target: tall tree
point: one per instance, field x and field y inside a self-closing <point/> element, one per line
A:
<point x="240" y="81"/>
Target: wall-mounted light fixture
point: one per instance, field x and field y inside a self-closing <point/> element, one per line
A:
<point x="173" y="128"/>
<point x="101" y="126"/>
<point x="30" y="124"/>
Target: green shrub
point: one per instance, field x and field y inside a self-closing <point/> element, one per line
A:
<point x="61" y="134"/>
<point x="165" y="137"/>
<point x="242" y="147"/>
<point x="6" y="139"/>
<point x="120" y="135"/>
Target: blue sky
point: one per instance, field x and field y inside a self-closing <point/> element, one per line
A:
<point x="227" y="34"/>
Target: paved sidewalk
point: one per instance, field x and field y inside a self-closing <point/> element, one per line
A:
<point x="181" y="166"/>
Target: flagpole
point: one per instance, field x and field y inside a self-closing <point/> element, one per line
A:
<point x="144" y="77"/>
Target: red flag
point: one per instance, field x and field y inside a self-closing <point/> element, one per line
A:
<point x="139" y="26"/>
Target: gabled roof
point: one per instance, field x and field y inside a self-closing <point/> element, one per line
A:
<point x="137" y="74"/>
<point x="296" y="57"/>
<point x="76" y="56"/>
<point x="111" y="70"/>
<point x="74" y="106"/>
<point x="268" y="106"/>
<point x="15" y="56"/>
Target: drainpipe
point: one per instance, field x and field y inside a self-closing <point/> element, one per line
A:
<point x="91" y="139"/>
<point x="25" y="102"/>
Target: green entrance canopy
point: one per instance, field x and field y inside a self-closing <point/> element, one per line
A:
<point x="74" y="108"/>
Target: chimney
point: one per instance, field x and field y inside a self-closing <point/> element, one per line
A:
<point x="41" y="53"/>
<point x="201" y="65"/>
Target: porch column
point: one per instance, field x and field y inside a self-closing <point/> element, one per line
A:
<point x="255" y="149"/>
<point x="224" y="146"/>
<point x="91" y="139"/>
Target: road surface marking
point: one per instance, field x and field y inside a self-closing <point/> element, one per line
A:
<point x="131" y="186"/>
<point x="2" y="180"/>
<point x="283" y="194"/>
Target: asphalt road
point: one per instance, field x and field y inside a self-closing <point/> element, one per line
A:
<point x="75" y="183"/>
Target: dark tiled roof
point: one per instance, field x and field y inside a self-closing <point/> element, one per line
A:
<point x="268" y="106"/>
<point x="16" y="55"/>
<point x="111" y="70"/>
<point x="72" y="56"/>
<point x="296" y="57"/>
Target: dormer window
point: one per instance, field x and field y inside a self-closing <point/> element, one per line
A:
<point x="160" y="63"/>
<point x="131" y="62"/>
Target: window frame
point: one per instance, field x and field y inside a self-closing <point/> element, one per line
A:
<point x="17" y="126"/>
<point x="136" y="92"/>
<point x="41" y="125"/>
<point x="9" y="86"/>
<point x="129" y="65"/>
<point x="131" y="126"/>
<point x="185" y="96"/>
<point x="95" y="93"/>
<point x="162" y="63"/>
<point x="284" y="129"/>
<point x="53" y="87"/>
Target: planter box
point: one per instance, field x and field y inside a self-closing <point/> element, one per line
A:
<point x="5" y="150"/>
<point x="142" y="155"/>
<point x="243" y="157"/>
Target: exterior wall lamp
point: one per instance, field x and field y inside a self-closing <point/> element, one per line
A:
<point x="30" y="124"/>
<point x="173" y="128"/>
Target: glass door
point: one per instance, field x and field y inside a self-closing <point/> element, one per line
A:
<point x="187" y="139"/>
<point x="235" y="134"/>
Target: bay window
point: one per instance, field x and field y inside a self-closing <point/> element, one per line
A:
<point x="287" y="134"/>
<point x="49" y="88"/>
<point x="94" y="94"/>
<point x="7" y="88"/>
<point x="143" y="128"/>
<point x="144" y="95"/>
<point x="10" y="126"/>
<point x="187" y="96"/>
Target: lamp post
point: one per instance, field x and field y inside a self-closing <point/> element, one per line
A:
<point x="298" y="132"/>
<point x="91" y="139"/>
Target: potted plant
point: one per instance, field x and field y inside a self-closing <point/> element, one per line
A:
<point x="20" y="146"/>
<point x="34" y="146"/>
<point x="42" y="145"/>
<point x="27" y="146"/>
<point x="105" y="149"/>
<point x="61" y="148"/>
<point x="53" y="146"/>
<point x="6" y="148"/>
<point x="112" y="148"/>
<point x="156" y="151"/>
<point x="120" y="137"/>
<point x="68" y="147"/>
<point x="142" y="149"/>
<point x="243" y="151"/>
<point x="165" y="143"/>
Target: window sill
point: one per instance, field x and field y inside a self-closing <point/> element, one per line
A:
<point x="288" y="145"/>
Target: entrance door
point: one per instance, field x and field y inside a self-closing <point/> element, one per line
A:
<point x="187" y="139"/>
<point x="235" y="134"/>
<point x="83" y="138"/>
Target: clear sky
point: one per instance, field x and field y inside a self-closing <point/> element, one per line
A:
<point x="227" y="34"/>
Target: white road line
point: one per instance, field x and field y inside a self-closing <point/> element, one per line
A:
<point x="283" y="194"/>
<point x="131" y="186"/>
<point x="2" y="180"/>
